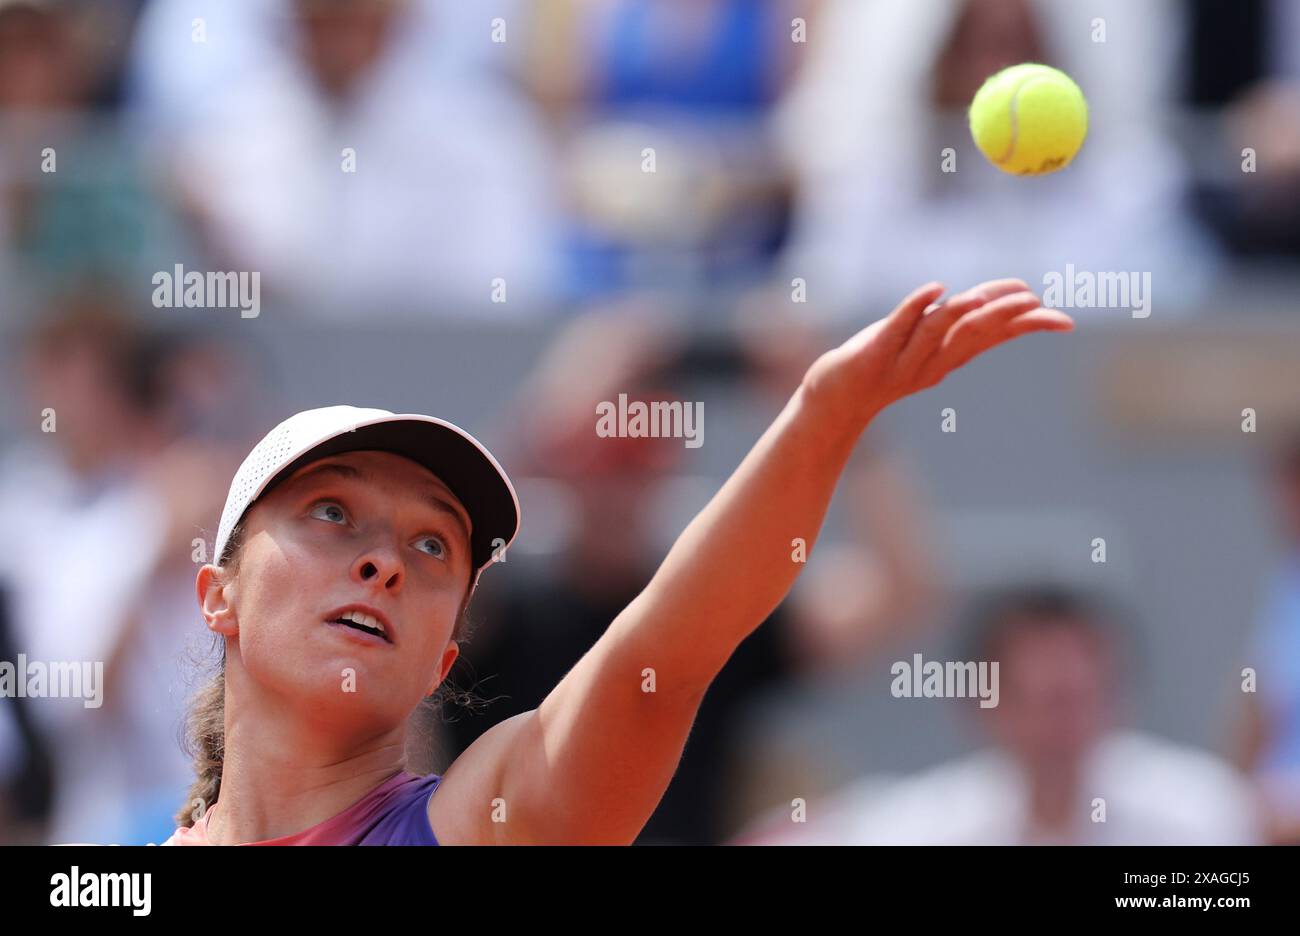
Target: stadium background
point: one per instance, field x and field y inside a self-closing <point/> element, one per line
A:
<point x="506" y="141"/>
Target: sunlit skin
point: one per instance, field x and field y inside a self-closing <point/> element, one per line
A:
<point x="590" y="764"/>
<point x="359" y="528"/>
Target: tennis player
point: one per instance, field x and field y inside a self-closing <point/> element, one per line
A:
<point x="353" y="539"/>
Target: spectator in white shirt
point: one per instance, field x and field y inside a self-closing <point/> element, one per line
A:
<point x="1060" y="770"/>
<point x="349" y="151"/>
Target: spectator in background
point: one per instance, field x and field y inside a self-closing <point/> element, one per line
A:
<point x="1270" y="751"/>
<point x="1245" y="63"/>
<point x="101" y="510"/>
<point x="336" y="147"/>
<point x="694" y="80"/>
<point x="63" y="54"/>
<point x="75" y="199"/>
<point x="882" y="97"/>
<point x="1057" y="757"/>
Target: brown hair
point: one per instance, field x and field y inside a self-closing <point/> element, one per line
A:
<point x="205" y="724"/>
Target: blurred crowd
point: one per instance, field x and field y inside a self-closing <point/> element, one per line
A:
<point x="433" y="160"/>
<point x="652" y="180"/>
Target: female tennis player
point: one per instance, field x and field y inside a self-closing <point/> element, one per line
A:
<point x="352" y="541"/>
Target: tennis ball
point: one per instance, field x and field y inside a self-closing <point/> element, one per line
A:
<point x="1029" y="119"/>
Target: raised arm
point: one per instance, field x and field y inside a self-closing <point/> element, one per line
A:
<point x="592" y="761"/>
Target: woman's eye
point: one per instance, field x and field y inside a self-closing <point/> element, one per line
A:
<point x="329" y="512"/>
<point x="433" y="546"/>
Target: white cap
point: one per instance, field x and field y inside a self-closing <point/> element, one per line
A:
<point x="458" y="459"/>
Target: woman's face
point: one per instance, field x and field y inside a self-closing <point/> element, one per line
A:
<point x="370" y="535"/>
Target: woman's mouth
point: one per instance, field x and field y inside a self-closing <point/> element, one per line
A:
<point x="362" y="622"/>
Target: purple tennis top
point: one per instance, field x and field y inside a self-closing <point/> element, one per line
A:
<point x="394" y="813"/>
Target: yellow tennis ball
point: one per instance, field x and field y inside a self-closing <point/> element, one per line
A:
<point x="1029" y="119"/>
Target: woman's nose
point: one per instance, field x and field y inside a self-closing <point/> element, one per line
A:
<point x="380" y="565"/>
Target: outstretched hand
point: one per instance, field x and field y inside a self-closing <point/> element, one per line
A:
<point x="921" y="342"/>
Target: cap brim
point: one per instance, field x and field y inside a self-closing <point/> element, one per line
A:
<point x="468" y="470"/>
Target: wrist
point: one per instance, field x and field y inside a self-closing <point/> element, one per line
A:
<point x="836" y="425"/>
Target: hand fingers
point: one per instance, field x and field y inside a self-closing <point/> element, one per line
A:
<point x="931" y="331"/>
<point x="903" y="319"/>
<point x="996" y="289"/>
<point x="944" y="342"/>
<point x="927" y="336"/>
<point x="1036" y="319"/>
<point x="974" y="328"/>
<point x="893" y="329"/>
<point x="1041" y="319"/>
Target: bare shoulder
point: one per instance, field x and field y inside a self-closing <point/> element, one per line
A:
<point x="469" y="807"/>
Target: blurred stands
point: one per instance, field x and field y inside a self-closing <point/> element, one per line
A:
<point x="524" y="161"/>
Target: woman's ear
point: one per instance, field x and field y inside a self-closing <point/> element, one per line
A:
<point x="214" y="601"/>
<point x="449" y="656"/>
